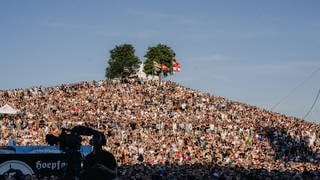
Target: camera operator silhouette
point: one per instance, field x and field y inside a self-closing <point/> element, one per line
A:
<point x="99" y="164"/>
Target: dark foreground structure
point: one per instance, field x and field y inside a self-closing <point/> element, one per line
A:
<point x="68" y="162"/>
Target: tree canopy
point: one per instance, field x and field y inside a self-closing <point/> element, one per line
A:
<point x="122" y="62"/>
<point x="157" y="58"/>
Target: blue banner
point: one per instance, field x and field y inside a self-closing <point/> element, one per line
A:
<point x="46" y="150"/>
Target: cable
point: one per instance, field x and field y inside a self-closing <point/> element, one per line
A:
<point x="312" y="105"/>
<point x="294" y="89"/>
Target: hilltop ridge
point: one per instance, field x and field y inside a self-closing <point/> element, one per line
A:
<point x="167" y="123"/>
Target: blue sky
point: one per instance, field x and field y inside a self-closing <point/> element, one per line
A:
<point x="256" y="52"/>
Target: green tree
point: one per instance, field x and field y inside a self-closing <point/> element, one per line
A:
<point x="160" y="54"/>
<point x="122" y="62"/>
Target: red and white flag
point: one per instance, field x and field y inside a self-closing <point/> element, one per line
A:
<point x="176" y="66"/>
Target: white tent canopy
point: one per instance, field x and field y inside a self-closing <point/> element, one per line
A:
<point x="7" y="109"/>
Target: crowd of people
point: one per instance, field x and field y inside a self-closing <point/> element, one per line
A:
<point x="167" y="131"/>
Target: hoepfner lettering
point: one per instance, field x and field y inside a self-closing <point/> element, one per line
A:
<point x="50" y="165"/>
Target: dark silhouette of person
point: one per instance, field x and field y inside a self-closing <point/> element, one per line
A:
<point x="99" y="164"/>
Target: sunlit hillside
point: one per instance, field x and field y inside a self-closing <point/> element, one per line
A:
<point x="165" y="124"/>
